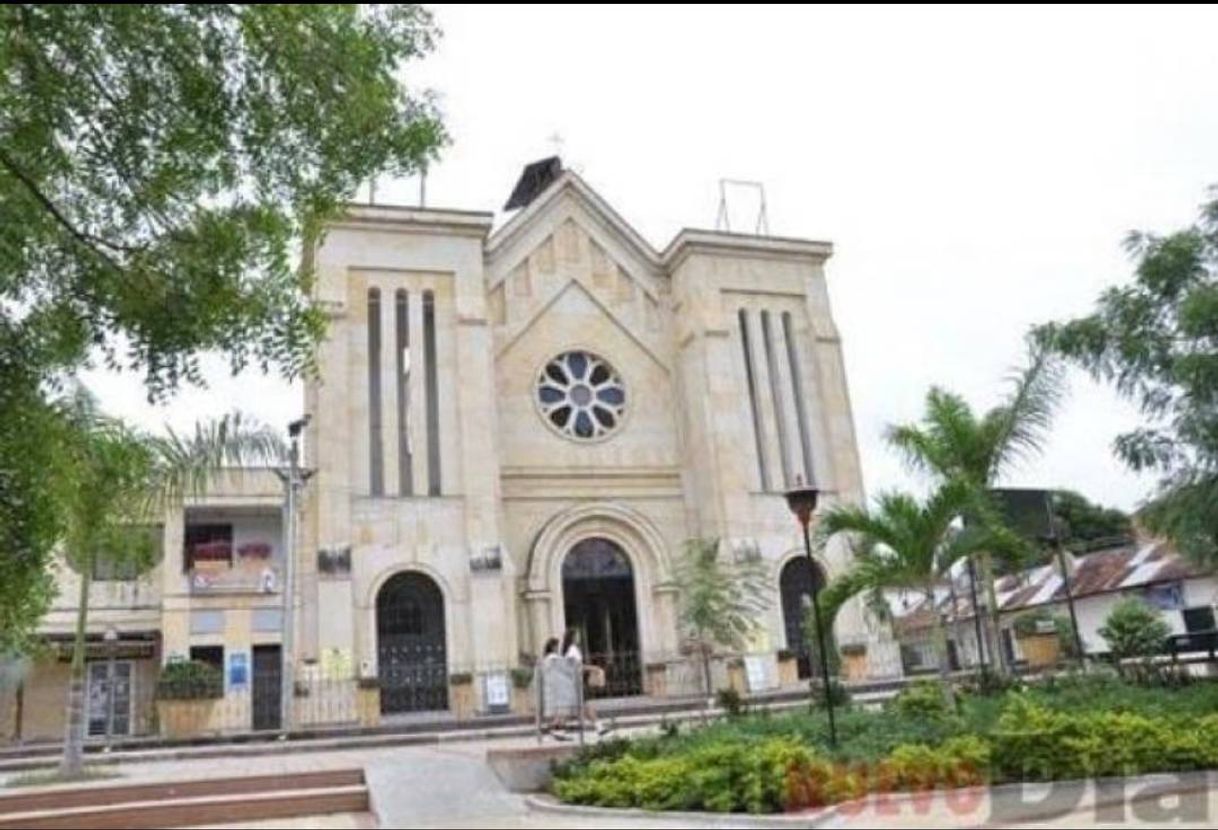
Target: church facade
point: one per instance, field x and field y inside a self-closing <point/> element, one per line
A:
<point x="516" y="431"/>
<point x="511" y="432"/>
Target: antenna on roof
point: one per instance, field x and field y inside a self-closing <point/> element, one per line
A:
<point x="723" y="220"/>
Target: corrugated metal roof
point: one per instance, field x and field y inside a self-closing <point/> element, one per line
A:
<point x="1100" y="572"/>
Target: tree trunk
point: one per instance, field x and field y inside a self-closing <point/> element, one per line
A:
<point x="941" y="651"/>
<point x="998" y="660"/>
<point x="74" y="731"/>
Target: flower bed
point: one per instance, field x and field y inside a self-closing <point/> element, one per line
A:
<point x="1079" y="728"/>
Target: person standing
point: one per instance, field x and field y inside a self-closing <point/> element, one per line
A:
<point x="559" y="700"/>
<point x="572" y="652"/>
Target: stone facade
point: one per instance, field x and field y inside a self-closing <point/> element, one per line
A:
<point x="565" y="274"/>
<point x="447" y="493"/>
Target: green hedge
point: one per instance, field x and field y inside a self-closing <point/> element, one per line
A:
<point x="189" y="680"/>
<point x="1077" y="728"/>
<point x="1034" y="742"/>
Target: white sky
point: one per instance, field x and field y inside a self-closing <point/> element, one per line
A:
<point x="976" y="170"/>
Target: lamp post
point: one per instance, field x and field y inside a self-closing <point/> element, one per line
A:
<point x="293" y="478"/>
<point x="802" y="501"/>
<point x="111" y="638"/>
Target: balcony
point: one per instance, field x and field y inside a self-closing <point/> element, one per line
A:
<point x="232" y="553"/>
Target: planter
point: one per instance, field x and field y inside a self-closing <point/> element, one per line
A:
<point x="1041" y="650"/>
<point x="461" y="700"/>
<point x="185" y="718"/>
<point x="657" y="680"/>
<point x="788" y="672"/>
<point x="736" y="680"/>
<point x="368" y="705"/>
<point x="522" y="700"/>
<point x="854" y="666"/>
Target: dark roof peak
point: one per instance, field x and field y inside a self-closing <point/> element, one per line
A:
<point x="534" y="179"/>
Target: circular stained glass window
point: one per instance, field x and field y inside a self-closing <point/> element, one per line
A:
<point x="581" y="395"/>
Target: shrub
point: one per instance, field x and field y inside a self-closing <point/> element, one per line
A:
<point x="460" y="678"/>
<point x="720" y="777"/>
<point x="922" y="699"/>
<point x="1033" y="742"/>
<point x="837" y="693"/>
<point x="731" y="702"/>
<point x="785" y="654"/>
<point x="522" y="677"/>
<point x="1134" y="629"/>
<point x="189" y="680"/>
<point x="960" y="762"/>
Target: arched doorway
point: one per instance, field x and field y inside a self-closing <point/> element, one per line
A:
<point x="598" y="600"/>
<point x="797" y="582"/>
<point x="411" y="660"/>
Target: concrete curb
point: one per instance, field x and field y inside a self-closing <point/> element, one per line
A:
<point x="549" y="805"/>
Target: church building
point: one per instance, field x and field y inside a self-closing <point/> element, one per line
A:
<point x="513" y="431"/>
<point x="516" y="431"/>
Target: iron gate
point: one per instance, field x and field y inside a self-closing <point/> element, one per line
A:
<point x="412" y="664"/>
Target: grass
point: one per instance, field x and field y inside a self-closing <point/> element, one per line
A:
<point x="46" y="777"/>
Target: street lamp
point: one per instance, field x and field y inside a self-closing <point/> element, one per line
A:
<point x="111" y="638"/>
<point x="802" y="501"/>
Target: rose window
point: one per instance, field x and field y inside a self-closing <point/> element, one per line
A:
<point x="581" y="395"/>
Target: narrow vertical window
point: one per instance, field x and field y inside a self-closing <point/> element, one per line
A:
<point x="758" y="436"/>
<point x="405" y="471"/>
<point x="433" y="402"/>
<point x="767" y="335"/>
<point x="376" y="485"/>
<point x="797" y="389"/>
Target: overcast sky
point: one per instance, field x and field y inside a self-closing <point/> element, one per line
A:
<point x="976" y="171"/>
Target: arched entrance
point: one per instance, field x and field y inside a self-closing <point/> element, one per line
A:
<point x="411" y="659"/>
<point x="797" y="582"/>
<point x="599" y="601"/>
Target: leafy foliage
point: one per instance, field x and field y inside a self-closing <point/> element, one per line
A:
<point x="1134" y="630"/>
<point x="1084" y="523"/>
<point x="189" y="680"/>
<point x="1074" y="727"/>
<point x="159" y="167"/>
<point x="1154" y="340"/>
<point x="721" y="602"/>
<point x="955" y="445"/>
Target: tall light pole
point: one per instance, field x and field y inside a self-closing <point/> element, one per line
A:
<point x="293" y="479"/>
<point x="802" y="501"/>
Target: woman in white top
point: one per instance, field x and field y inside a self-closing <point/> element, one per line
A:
<point x="571" y="651"/>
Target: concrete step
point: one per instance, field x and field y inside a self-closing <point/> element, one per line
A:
<point x="181" y="803"/>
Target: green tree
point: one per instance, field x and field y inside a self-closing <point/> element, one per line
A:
<point x="909" y="545"/>
<point x="159" y="164"/>
<point x="1156" y="341"/>
<point x="1085" y="523"/>
<point x="721" y="602"/>
<point x="118" y="484"/>
<point x="953" y="443"/>
<point x="1134" y="630"/>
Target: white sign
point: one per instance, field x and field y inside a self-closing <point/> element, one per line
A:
<point x="754" y="672"/>
<point x="497" y="693"/>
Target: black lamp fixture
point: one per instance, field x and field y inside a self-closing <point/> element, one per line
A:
<point x="802" y="500"/>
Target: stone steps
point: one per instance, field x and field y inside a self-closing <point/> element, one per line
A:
<point x="183" y="803"/>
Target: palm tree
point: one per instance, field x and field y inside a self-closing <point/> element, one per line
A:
<point x="721" y="603"/>
<point x="116" y="484"/>
<point x="953" y="443"/>
<point x="908" y="545"/>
